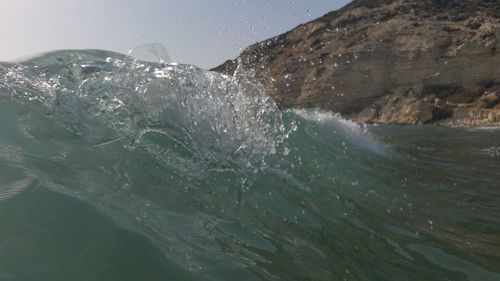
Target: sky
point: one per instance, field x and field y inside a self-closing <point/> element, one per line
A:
<point x="199" y="32"/>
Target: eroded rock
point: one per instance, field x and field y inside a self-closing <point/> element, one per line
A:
<point x="349" y="60"/>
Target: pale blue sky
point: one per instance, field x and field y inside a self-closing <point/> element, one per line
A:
<point x="199" y="32"/>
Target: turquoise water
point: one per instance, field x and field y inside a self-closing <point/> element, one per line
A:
<point x="116" y="169"/>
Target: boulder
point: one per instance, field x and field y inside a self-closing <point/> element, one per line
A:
<point x="494" y="116"/>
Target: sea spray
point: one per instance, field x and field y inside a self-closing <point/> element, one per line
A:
<point x="224" y="121"/>
<point x="110" y="124"/>
<point x="355" y="133"/>
<point x="222" y="185"/>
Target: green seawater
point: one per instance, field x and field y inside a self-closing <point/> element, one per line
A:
<point x="116" y="169"/>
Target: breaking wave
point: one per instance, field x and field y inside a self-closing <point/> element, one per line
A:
<point x="224" y="184"/>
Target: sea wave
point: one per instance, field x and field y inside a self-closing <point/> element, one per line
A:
<point x="224" y="184"/>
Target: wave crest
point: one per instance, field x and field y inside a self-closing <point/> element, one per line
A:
<point x="222" y="121"/>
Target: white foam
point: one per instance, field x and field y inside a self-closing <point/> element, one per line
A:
<point x="356" y="134"/>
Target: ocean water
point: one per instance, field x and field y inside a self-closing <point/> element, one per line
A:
<point x="117" y="169"/>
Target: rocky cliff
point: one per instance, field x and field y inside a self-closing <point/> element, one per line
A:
<point x="388" y="61"/>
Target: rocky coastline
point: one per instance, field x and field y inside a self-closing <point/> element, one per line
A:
<point x="388" y="61"/>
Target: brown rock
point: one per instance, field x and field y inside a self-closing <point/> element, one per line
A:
<point x="431" y="99"/>
<point x="417" y="112"/>
<point x="471" y="116"/>
<point x="494" y="116"/>
<point x="466" y="94"/>
<point x="438" y="102"/>
<point x="487" y="101"/>
<point x="397" y="110"/>
<point x="473" y="23"/>
<point x="349" y="59"/>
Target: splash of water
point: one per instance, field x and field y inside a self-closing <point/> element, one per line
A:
<point x="223" y="122"/>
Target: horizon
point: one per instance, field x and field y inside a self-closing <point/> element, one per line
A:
<point x="193" y="32"/>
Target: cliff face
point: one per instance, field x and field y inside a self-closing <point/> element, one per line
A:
<point x="388" y="61"/>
